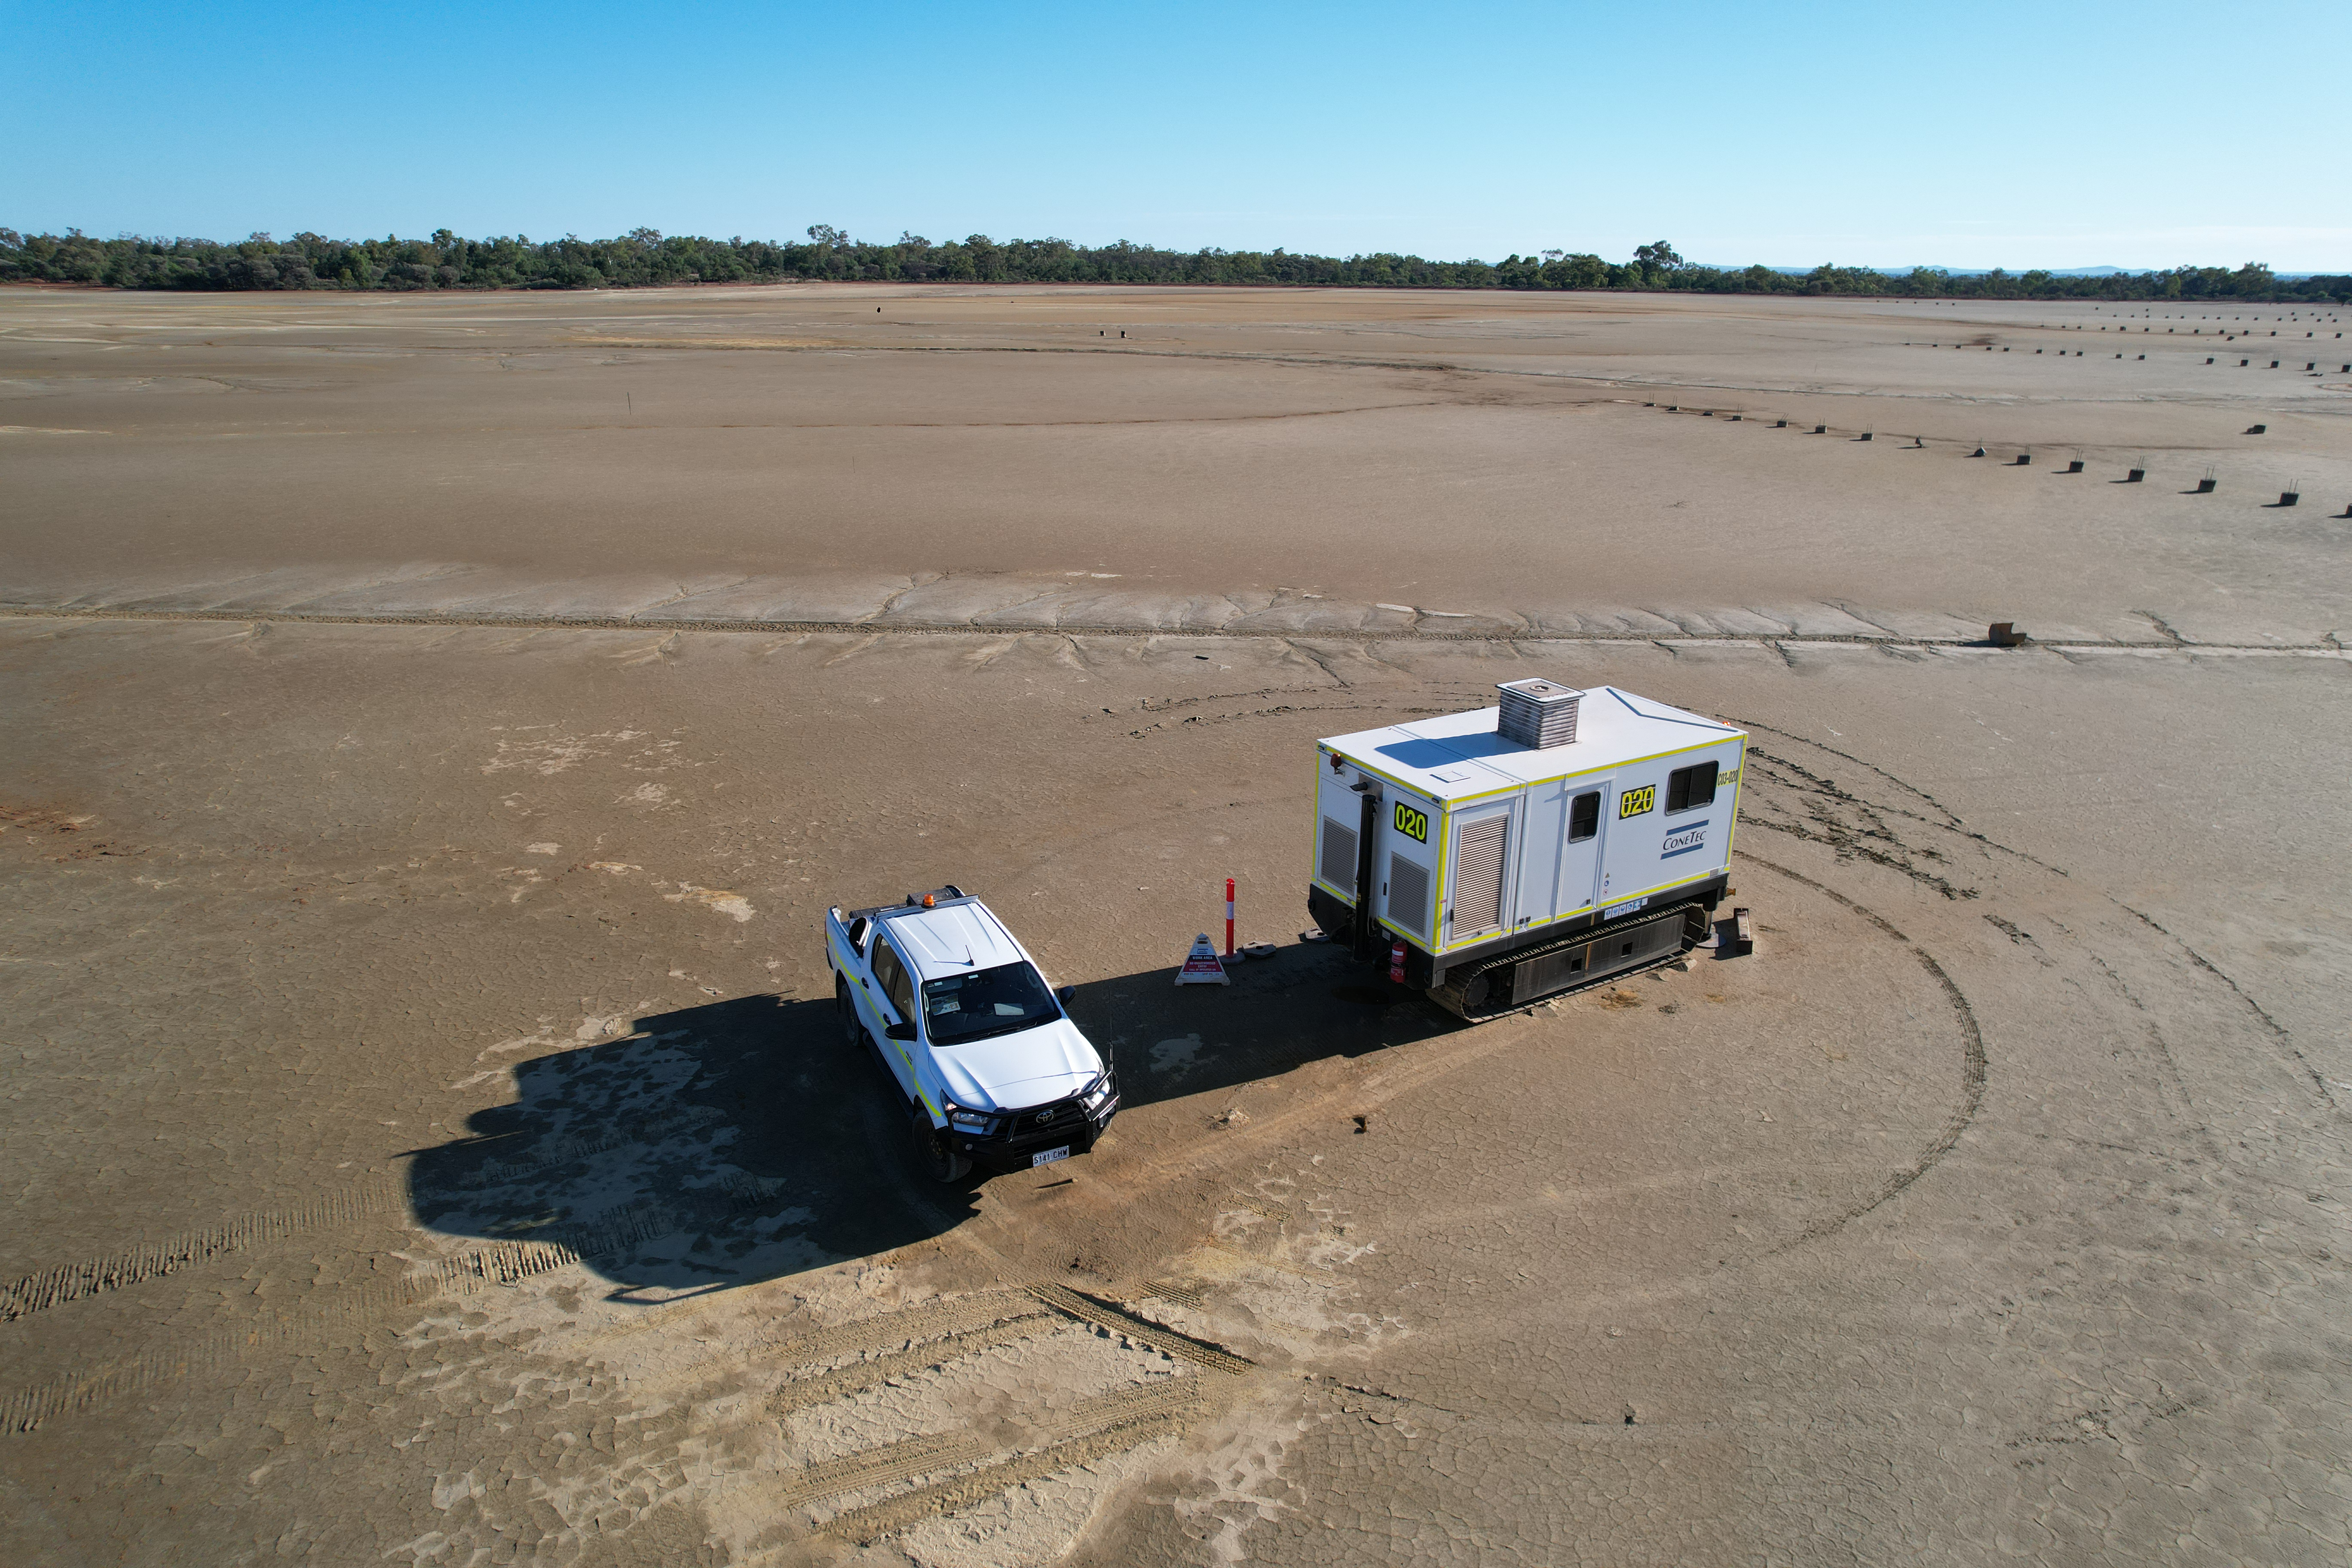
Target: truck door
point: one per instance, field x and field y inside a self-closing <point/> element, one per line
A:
<point x="851" y="947"/>
<point x="1580" y="849"/>
<point x="1477" y="872"/>
<point x="898" y="988"/>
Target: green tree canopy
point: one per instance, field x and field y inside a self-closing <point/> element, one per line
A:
<point x="646" y="257"/>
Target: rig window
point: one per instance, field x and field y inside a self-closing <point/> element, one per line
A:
<point x="1690" y="788"/>
<point x="1584" y="815"/>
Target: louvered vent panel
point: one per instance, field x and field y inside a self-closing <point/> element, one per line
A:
<point x="1478" y="876"/>
<point x="1339" y="854"/>
<point x="1538" y="714"/>
<point x="1409" y="894"/>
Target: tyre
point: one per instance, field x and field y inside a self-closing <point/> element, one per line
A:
<point x="853" y="1030"/>
<point x="937" y="1160"/>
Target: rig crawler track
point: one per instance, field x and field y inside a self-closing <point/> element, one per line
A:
<point x="1511" y="981"/>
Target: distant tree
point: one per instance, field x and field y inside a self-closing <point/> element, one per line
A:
<point x="1653" y="260"/>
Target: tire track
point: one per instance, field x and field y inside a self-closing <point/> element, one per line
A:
<point x="2279" y="1034"/>
<point x="1973" y="1069"/>
<point x="872" y="1469"/>
<point x="903" y="1329"/>
<point x="2296" y="1062"/>
<point x="799" y="1392"/>
<point x="1111" y="1424"/>
<point x="508" y="1263"/>
<point x="1168" y="1341"/>
<point x="70" y="1282"/>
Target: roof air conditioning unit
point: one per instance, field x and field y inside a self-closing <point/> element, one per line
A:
<point x="1538" y="714"/>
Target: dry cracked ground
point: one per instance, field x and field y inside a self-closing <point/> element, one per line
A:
<point x="436" y="726"/>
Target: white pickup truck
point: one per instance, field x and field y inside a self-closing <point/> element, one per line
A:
<point x="992" y="1068"/>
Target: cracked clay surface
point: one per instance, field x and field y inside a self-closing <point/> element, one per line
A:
<point x="431" y="1141"/>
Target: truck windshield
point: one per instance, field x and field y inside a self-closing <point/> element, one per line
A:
<point x="959" y="1007"/>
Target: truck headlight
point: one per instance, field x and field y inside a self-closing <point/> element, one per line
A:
<point x="1095" y="1093"/>
<point x="978" y="1121"/>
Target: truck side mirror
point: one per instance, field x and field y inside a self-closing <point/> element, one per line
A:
<point x="899" y="1031"/>
<point x="1064" y="994"/>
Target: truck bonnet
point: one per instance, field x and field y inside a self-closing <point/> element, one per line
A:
<point x="1006" y="1072"/>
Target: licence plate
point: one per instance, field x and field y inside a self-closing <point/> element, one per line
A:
<point x="1048" y="1156"/>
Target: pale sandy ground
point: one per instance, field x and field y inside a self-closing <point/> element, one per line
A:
<point x="429" y="1140"/>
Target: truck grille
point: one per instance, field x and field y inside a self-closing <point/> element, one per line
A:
<point x="1045" y="1124"/>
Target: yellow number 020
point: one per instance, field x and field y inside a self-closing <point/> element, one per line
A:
<point x="1635" y="802"/>
<point x="1411" y="822"/>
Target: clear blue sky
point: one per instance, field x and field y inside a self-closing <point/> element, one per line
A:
<point x="2058" y="134"/>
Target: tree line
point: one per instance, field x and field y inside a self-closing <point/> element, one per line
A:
<point x="644" y="257"/>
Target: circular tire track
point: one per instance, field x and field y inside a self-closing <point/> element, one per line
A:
<point x="1972" y="1066"/>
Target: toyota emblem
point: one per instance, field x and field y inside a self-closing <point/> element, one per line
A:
<point x="1043" y="1117"/>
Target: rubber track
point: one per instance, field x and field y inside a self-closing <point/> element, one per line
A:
<point x="1449" y="996"/>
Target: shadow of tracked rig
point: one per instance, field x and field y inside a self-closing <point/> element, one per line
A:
<point x="1500" y="858"/>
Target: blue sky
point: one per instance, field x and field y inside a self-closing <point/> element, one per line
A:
<point x="2017" y="135"/>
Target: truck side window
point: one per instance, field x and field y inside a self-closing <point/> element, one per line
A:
<point x="1690" y="788"/>
<point x="1584" y="815"/>
<point x="891" y="975"/>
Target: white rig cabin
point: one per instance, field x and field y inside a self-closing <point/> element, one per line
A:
<point x="1518" y="852"/>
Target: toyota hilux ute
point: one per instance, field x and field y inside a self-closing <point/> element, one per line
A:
<point x="992" y="1070"/>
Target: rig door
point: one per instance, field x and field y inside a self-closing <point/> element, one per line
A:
<point x="1477" y="875"/>
<point x="1406" y="870"/>
<point x="1584" y="827"/>
<point x="1543" y="827"/>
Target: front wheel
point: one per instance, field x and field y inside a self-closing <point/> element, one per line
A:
<point x="938" y="1161"/>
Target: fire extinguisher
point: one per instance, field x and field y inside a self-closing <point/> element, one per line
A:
<point x="1396" y="961"/>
